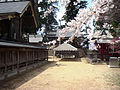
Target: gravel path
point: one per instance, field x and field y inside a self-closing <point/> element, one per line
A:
<point x="66" y="75"/>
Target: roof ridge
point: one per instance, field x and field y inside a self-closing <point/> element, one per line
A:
<point x="66" y="47"/>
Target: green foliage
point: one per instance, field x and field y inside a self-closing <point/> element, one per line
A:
<point x="73" y="9"/>
<point x="99" y="23"/>
<point x="115" y="24"/>
<point x="115" y="31"/>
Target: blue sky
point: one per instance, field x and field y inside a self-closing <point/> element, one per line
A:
<point x="61" y="11"/>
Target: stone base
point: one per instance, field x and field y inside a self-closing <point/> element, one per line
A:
<point x="113" y="62"/>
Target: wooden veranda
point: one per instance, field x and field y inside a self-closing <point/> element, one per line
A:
<point x="15" y="57"/>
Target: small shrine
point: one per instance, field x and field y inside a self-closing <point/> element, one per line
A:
<point x="66" y="51"/>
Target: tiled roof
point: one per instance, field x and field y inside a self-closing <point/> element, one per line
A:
<point x="10" y="7"/>
<point x="9" y="44"/>
<point x="67" y="34"/>
<point x="65" y="47"/>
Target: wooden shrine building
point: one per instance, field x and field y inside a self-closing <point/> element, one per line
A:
<point x="16" y="19"/>
<point x="66" y="51"/>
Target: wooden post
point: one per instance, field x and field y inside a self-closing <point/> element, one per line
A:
<point x="26" y="59"/>
<point x="33" y="58"/>
<point x="13" y="59"/>
<point x="5" y="58"/>
<point x="18" y="62"/>
<point x="20" y="29"/>
<point x="47" y="55"/>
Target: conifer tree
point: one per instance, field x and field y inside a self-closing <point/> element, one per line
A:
<point x="73" y="8"/>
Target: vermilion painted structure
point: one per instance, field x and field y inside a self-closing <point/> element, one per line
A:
<point x="103" y="49"/>
<point x="107" y="48"/>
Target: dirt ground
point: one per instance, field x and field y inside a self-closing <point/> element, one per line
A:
<point x="66" y="75"/>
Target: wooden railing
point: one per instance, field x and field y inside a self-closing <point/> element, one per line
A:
<point x="14" y="57"/>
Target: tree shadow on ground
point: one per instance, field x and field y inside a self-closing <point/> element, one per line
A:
<point x="71" y="59"/>
<point x="19" y="79"/>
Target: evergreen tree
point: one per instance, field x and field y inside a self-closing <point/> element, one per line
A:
<point x="73" y="8"/>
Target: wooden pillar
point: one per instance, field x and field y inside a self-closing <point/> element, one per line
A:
<point x="20" y="29"/>
<point x="5" y="59"/>
<point x="12" y="29"/>
<point x="47" y="55"/>
<point x="33" y="57"/>
<point x="18" y="61"/>
<point x="26" y="59"/>
<point x="36" y="56"/>
<point x="13" y="59"/>
<point x="15" y="25"/>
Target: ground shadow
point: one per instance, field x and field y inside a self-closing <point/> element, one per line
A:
<point x="19" y="79"/>
<point x="71" y="59"/>
<point x="97" y="61"/>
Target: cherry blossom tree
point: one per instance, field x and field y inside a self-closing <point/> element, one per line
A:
<point x="99" y="6"/>
<point x="84" y="17"/>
